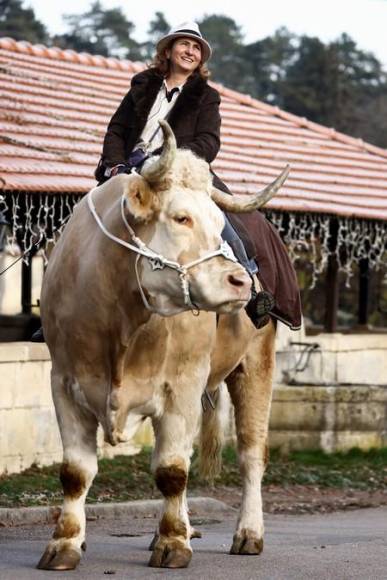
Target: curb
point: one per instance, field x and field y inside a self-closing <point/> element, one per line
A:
<point x="140" y="508"/>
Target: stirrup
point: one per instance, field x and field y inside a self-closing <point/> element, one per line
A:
<point x="259" y="307"/>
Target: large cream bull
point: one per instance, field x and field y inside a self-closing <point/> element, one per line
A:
<point x="139" y="257"/>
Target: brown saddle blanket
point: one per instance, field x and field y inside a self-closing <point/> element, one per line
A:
<point x="276" y="272"/>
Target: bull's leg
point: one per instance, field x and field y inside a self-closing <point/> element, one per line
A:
<point x="78" y="429"/>
<point x="250" y="387"/>
<point x="193" y="532"/>
<point x="174" y="432"/>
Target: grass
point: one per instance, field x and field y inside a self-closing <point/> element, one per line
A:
<point x="364" y="470"/>
<point x="128" y="478"/>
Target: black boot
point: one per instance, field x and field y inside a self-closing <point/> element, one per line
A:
<point x="38" y="336"/>
<point x="260" y="305"/>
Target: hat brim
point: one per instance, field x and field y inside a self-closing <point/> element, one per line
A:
<point x="165" y="41"/>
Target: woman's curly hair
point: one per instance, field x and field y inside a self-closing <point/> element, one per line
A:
<point x="162" y="64"/>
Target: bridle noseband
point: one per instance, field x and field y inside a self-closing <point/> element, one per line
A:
<point x="158" y="261"/>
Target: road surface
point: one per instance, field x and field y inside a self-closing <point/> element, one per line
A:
<point x="337" y="546"/>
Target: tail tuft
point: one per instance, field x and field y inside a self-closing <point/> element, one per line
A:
<point x="212" y="437"/>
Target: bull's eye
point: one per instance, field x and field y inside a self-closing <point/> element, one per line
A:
<point x="183" y="220"/>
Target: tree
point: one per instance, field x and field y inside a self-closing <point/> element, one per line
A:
<point x="306" y="87"/>
<point x="357" y="81"/>
<point x="99" y="31"/>
<point x="228" y="64"/>
<point x="270" y="59"/>
<point x="336" y="85"/>
<point x="371" y="121"/>
<point x="158" y="27"/>
<point x="21" y="23"/>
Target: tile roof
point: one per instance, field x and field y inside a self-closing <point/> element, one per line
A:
<point x="55" y="105"/>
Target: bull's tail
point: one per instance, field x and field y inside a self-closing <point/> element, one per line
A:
<point x="212" y="434"/>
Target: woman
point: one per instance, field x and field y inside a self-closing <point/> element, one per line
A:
<point x="175" y="87"/>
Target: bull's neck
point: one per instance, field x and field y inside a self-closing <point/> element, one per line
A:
<point x="118" y="269"/>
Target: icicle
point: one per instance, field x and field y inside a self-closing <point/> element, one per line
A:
<point x="33" y="214"/>
<point x="310" y="233"/>
<point x="305" y="234"/>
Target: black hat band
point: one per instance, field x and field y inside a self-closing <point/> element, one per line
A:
<point x="188" y="31"/>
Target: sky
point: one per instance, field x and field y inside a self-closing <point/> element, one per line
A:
<point x="364" y="20"/>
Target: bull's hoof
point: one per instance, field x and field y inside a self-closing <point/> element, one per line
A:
<point x="168" y="557"/>
<point x="194" y="534"/>
<point x="63" y="559"/>
<point x="246" y="542"/>
<point x="153" y="543"/>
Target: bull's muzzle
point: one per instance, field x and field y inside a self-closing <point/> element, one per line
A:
<point x="240" y="283"/>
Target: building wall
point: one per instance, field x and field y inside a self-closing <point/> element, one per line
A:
<point x="10" y="301"/>
<point x="330" y="393"/>
<point x="335" y="359"/>
<point x="331" y="418"/>
<point x="28" y="429"/>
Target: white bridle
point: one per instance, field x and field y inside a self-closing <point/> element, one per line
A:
<point x="158" y="261"/>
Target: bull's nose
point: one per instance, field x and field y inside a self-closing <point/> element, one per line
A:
<point x="240" y="280"/>
<point x="235" y="280"/>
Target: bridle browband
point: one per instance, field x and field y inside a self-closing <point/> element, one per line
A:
<point x="157" y="261"/>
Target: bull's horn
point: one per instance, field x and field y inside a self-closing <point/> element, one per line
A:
<point x="153" y="173"/>
<point x="246" y="203"/>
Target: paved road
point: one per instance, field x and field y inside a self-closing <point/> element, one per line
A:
<point x="339" y="546"/>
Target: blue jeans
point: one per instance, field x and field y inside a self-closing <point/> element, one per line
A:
<point x="231" y="237"/>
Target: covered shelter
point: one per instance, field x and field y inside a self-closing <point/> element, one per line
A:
<point x="54" y="108"/>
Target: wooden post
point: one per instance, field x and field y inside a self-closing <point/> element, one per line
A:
<point x="364" y="278"/>
<point x="26" y="286"/>
<point x="332" y="295"/>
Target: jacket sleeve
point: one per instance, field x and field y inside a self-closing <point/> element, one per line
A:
<point x="113" y="151"/>
<point x="206" y="141"/>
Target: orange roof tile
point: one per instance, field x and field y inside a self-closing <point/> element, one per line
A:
<point x="55" y="105"/>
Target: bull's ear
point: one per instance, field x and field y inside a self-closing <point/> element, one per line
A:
<point x="140" y="198"/>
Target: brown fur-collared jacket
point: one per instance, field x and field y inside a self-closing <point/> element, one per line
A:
<point x="195" y="121"/>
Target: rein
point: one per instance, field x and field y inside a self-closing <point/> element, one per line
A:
<point x="158" y="261"/>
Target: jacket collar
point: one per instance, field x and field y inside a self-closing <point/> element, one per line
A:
<point x="189" y="98"/>
<point x="146" y="86"/>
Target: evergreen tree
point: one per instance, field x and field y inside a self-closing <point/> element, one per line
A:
<point x="371" y="120"/>
<point x="228" y="64"/>
<point x="306" y="90"/>
<point x="270" y="59"/>
<point x="158" y="27"/>
<point x="337" y="85"/>
<point x="21" y="23"/>
<point x="356" y="81"/>
<point x="99" y="31"/>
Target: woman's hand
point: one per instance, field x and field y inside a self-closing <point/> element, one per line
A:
<point x="116" y="169"/>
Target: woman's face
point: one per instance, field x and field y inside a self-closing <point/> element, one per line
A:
<point x="185" y="55"/>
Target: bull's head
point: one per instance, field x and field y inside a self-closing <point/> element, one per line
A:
<point x="171" y="208"/>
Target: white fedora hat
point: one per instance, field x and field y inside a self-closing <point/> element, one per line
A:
<point x="187" y="29"/>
